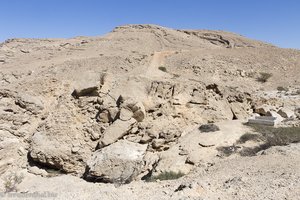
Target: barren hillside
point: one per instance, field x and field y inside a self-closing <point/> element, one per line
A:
<point x="106" y="117"/>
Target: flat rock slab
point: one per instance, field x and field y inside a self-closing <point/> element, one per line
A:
<point x="115" y="131"/>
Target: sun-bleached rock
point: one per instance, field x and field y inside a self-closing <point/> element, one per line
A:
<point x="120" y="162"/>
<point x="125" y="114"/>
<point x="286" y="113"/>
<point x="86" y="85"/>
<point x="115" y="131"/>
<point x="30" y="103"/>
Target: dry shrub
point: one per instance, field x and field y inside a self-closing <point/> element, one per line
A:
<point x="264" y="77"/>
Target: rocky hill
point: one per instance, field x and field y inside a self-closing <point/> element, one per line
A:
<point x="143" y="101"/>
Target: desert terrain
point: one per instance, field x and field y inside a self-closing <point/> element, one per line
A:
<point x="148" y="112"/>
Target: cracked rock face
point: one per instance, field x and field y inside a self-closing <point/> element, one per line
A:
<point x="59" y="155"/>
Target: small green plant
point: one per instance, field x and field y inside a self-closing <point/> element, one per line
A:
<point x="176" y="75"/>
<point x="264" y="77"/>
<point x="228" y="150"/>
<point x="209" y="128"/>
<point x="11" y="181"/>
<point x="249" y="137"/>
<point x="162" y="68"/>
<point x="166" y="176"/>
<point x="281" y="89"/>
<point x="102" y="78"/>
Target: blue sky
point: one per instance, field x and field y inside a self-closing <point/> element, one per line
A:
<point x="274" y="21"/>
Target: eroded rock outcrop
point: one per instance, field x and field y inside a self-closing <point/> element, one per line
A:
<point x="66" y="155"/>
<point x="113" y="114"/>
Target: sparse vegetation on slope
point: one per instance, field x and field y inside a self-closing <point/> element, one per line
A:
<point x="162" y="68"/>
<point x="264" y="77"/>
<point x="281" y="89"/>
<point x="268" y="136"/>
<point x="167" y="175"/>
<point x="278" y="136"/>
<point x="11" y="181"/>
<point x="209" y="128"/>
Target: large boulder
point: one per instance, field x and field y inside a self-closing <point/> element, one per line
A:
<point x="58" y="154"/>
<point x="120" y="162"/>
<point x="13" y="153"/>
<point x="64" y="141"/>
<point x="86" y="85"/>
<point x="116" y="131"/>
